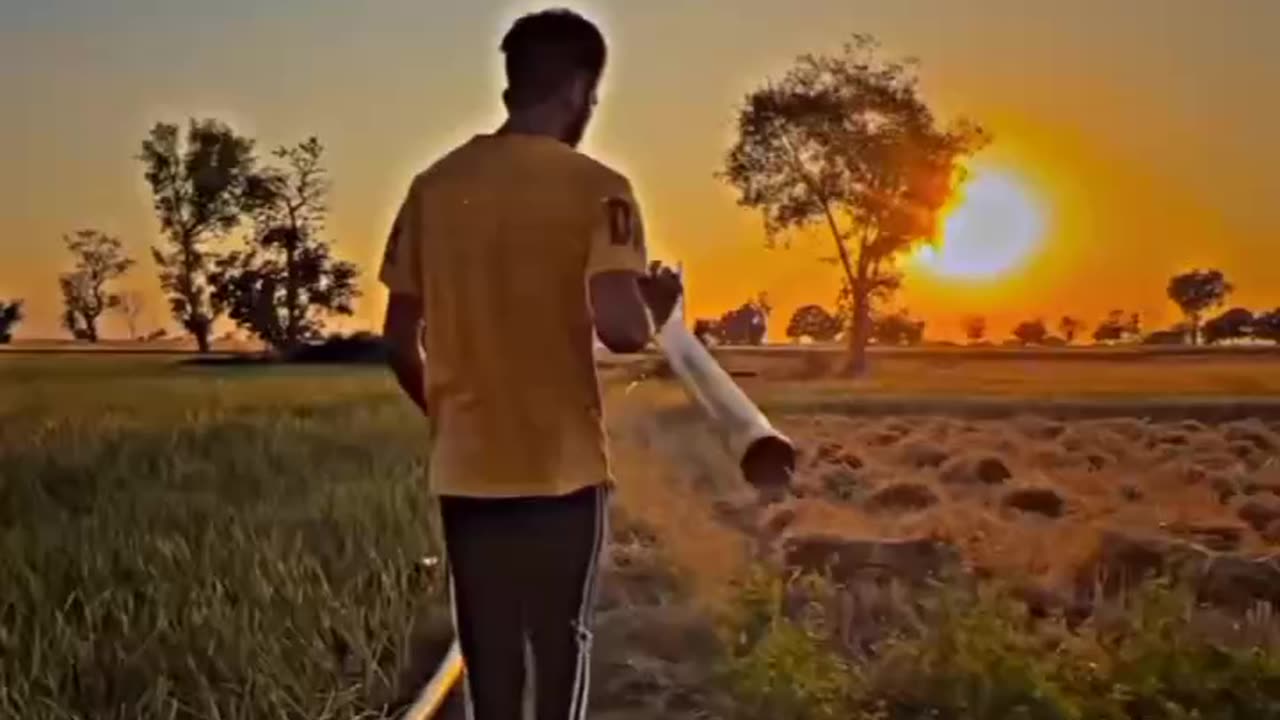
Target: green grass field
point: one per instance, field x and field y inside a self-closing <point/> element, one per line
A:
<point x="188" y="542"/>
<point x="184" y="541"/>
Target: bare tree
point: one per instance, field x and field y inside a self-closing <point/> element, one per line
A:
<point x="99" y="259"/>
<point x="287" y="282"/>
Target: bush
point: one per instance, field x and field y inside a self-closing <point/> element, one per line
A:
<point x="778" y="669"/>
<point x="979" y="655"/>
<point x="360" y="347"/>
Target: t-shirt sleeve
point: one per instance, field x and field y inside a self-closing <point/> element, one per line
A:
<point x="401" y="271"/>
<point x="617" y="241"/>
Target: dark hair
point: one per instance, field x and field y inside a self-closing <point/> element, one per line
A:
<point x="544" y="49"/>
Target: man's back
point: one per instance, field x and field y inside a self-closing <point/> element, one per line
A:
<point x="501" y="234"/>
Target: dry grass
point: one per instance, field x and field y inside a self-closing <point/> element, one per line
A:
<point x="1109" y="473"/>
<point x="1011" y="374"/>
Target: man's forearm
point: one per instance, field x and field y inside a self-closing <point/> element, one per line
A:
<point x="402" y="331"/>
<point x="410" y="373"/>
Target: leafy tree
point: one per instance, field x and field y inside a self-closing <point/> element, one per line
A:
<point x="975" y="328"/>
<point x="1196" y="293"/>
<point x="1070" y="328"/>
<point x="845" y="143"/>
<point x="813" y="322"/>
<point x="198" y="183"/>
<point x="10" y="316"/>
<point x="283" y="286"/>
<point x="1031" y="332"/>
<point x="1234" y="324"/>
<point x="1266" y="326"/>
<point x="130" y="306"/>
<point x="99" y="259"/>
<point x="898" y="328"/>
<point x="744" y="325"/>
<point x="706" y="331"/>
<point x="1118" y="328"/>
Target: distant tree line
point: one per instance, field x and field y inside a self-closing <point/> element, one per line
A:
<point x="207" y="183"/>
<point x="1196" y="293"/>
<point x="748" y="324"/>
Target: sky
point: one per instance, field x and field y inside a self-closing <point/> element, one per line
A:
<point x="1141" y="131"/>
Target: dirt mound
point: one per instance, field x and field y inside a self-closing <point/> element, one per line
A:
<point x="1038" y="500"/>
<point x="903" y="496"/>
<point x="922" y="454"/>
<point x="1233" y="580"/>
<point x="849" y="560"/>
<point x="976" y="470"/>
<point x="1219" y="536"/>
<point x="1254" y="433"/>
<point x="1260" y="511"/>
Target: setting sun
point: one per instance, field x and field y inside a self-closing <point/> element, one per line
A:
<point x="995" y="226"/>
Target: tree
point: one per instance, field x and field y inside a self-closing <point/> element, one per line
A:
<point x="1234" y="324"/>
<point x="766" y="306"/>
<point x="706" y="331"/>
<point x="99" y="259"/>
<point x="1133" y="328"/>
<point x="975" y="328"/>
<point x="10" y="316"/>
<point x="813" y="322"/>
<point x="130" y="306"/>
<point x="1197" y="292"/>
<point x="1070" y="328"/>
<point x="846" y="144"/>
<point x="1031" y="332"/>
<point x="1118" y="328"/>
<point x="744" y="325"/>
<point x="898" y="328"/>
<point x="198" y="191"/>
<point x="283" y="286"/>
<point x="1266" y="326"/>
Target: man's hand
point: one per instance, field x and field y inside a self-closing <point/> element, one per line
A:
<point x="661" y="289"/>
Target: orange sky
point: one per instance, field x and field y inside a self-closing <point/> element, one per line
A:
<point x="1144" y="128"/>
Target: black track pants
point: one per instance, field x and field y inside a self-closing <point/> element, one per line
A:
<point x="524" y="570"/>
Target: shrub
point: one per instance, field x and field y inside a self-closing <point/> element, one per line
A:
<point x="778" y="669"/>
<point x="360" y="347"/>
<point x="979" y="655"/>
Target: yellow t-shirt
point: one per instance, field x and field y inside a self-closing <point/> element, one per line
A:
<point x="498" y="239"/>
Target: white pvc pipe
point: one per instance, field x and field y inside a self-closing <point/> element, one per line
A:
<point x="731" y="413"/>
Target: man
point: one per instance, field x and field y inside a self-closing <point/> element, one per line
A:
<point x="506" y="257"/>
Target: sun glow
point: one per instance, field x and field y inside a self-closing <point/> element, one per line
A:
<point x="994" y="227"/>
